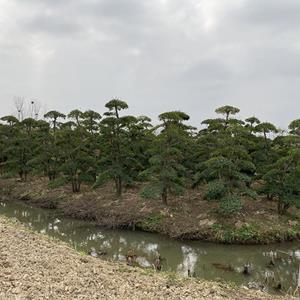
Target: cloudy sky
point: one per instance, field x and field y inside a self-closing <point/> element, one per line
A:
<point x="158" y="55"/>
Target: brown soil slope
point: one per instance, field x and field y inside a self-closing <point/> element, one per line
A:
<point x="186" y="217"/>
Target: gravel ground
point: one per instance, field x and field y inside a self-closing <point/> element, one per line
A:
<point x="34" y="267"/>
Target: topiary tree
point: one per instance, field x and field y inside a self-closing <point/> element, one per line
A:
<point x="226" y="164"/>
<point x="46" y="154"/>
<point x="116" y="151"/>
<point x="2" y="147"/>
<point x="20" y="146"/>
<point x="166" y="172"/>
<point x="91" y="120"/>
<point x="294" y="127"/>
<point x="76" y="115"/>
<point x="54" y="116"/>
<point x="10" y="120"/>
<point x="140" y="138"/>
<point x="251" y="123"/>
<point x="282" y="181"/>
<point x="76" y="160"/>
<point x="265" y="128"/>
<point x="51" y="151"/>
<point x="227" y="111"/>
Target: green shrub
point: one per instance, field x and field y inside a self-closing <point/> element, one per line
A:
<point x="8" y="175"/>
<point x="215" y="190"/>
<point x="245" y="233"/>
<point x="58" y="182"/>
<point x="228" y="237"/>
<point x="230" y="204"/>
<point x="217" y="227"/>
<point x="150" y="191"/>
<point x="87" y="178"/>
<point x="102" y="178"/>
<point x="292" y="233"/>
<point x="249" y="192"/>
<point x="151" y="223"/>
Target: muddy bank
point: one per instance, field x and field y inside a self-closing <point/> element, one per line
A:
<point x="34" y="267"/>
<point x="186" y="217"/>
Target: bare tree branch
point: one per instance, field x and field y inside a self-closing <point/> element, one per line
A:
<point x="20" y="106"/>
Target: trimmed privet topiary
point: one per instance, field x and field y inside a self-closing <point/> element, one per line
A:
<point x="227" y="156"/>
<point x="249" y="192"/>
<point x="230" y="204"/>
<point x="215" y="190"/>
<point x="151" y="191"/>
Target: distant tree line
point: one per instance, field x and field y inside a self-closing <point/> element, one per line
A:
<point x="226" y="159"/>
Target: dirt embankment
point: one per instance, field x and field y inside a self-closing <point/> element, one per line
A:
<point x="34" y="267"/>
<point x="186" y="217"/>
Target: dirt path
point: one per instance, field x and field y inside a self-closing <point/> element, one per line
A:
<point x="34" y="267"/>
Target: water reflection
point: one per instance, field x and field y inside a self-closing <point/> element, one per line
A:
<point x="269" y="265"/>
<point x="189" y="260"/>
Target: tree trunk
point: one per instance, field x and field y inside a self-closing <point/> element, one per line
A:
<point x="51" y="173"/>
<point x="76" y="184"/>
<point x="118" y="182"/>
<point x="164" y="196"/>
<point x="21" y="175"/>
<point x="282" y="208"/>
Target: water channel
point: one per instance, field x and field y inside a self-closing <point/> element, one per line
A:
<point x="205" y="260"/>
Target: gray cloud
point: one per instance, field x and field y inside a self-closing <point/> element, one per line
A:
<point x="52" y="24"/>
<point x="158" y="55"/>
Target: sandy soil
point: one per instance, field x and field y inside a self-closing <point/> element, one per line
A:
<point x="34" y="267"/>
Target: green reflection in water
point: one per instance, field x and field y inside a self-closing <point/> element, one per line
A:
<point x="205" y="260"/>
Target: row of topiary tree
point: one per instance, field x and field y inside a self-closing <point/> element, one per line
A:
<point x="225" y="158"/>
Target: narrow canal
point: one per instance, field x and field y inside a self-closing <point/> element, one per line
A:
<point x="270" y="265"/>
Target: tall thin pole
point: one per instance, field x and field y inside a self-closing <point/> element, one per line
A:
<point x="32" y="109"/>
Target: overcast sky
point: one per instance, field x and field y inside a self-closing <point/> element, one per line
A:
<point x="157" y="55"/>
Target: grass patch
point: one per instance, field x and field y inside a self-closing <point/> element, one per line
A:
<point x="8" y="175"/>
<point x="173" y="280"/>
<point x="58" y="182"/>
<point x="151" y="223"/>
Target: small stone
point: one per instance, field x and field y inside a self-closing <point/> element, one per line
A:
<point x="292" y="223"/>
<point x="239" y="224"/>
<point x="84" y="260"/>
<point x="206" y="222"/>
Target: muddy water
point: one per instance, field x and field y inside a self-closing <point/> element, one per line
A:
<point x="204" y="260"/>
